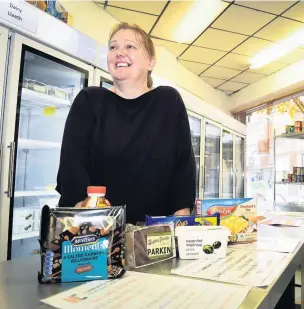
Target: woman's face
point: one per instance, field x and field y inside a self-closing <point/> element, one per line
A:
<point x="127" y="58"/>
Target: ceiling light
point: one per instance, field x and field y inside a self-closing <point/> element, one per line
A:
<point x="277" y="50"/>
<point x="199" y="16"/>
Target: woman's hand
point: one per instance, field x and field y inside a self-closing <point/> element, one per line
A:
<point x="182" y="212"/>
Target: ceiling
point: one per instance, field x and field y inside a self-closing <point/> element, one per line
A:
<point x="221" y="52"/>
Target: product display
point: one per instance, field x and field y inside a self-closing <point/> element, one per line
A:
<point x="195" y="242"/>
<point x="238" y="215"/>
<point x="296" y="176"/>
<point x="296" y="128"/>
<point x="81" y="244"/>
<point x="148" y="245"/>
<point x="96" y="197"/>
<point x="209" y="220"/>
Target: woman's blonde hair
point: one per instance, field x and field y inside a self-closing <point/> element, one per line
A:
<point x="142" y="37"/>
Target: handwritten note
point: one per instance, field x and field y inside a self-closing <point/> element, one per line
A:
<point x="148" y="291"/>
<point x="245" y="267"/>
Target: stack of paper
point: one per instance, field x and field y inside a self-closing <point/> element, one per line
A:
<point x="142" y="291"/>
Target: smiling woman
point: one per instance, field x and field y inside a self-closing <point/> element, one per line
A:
<point x="131" y="58"/>
<point x="133" y="139"/>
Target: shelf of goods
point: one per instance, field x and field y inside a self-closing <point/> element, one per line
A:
<point x="31" y="98"/>
<point x="25" y="235"/>
<point x="295" y="135"/>
<point x="297" y="177"/>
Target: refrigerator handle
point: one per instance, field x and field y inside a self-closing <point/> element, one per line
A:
<point x="10" y="186"/>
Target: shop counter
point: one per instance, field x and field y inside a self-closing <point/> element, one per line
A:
<point x="19" y="288"/>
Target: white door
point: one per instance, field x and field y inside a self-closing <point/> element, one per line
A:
<point x="102" y="79"/>
<point x="42" y="84"/>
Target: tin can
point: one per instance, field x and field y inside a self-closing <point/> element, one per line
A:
<point x="287" y="129"/>
<point x="294" y="170"/>
<point x="302" y="170"/>
<point x="289" y="177"/>
<point x="299" y="171"/>
<point x="298" y="124"/>
<point x="293" y="178"/>
<point x="298" y="178"/>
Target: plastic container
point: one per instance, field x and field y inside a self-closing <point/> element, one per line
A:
<point x="96" y="198"/>
<point x="196" y="242"/>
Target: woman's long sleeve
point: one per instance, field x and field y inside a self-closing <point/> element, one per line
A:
<point x="73" y="174"/>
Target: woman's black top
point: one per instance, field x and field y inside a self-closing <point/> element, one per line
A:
<point x="140" y="149"/>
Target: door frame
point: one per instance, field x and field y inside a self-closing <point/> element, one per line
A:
<point x="219" y="125"/>
<point x="233" y="158"/>
<point x="18" y="42"/>
<point x="98" y="74"/>
<point x="234" y="161"/>
<point x="200" y="182"/>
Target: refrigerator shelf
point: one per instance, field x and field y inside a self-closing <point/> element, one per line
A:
<point x="36" y="193"/>
<point x="34" y="99"/>
<point x="25" y="235"/>
<point x="35" y="144"/>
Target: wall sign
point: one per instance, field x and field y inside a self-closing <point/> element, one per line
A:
<point x="19" y="14"/>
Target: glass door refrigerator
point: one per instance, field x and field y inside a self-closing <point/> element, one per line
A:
<point x="212" y="161"/>
<point x="227" y="164"/>
<point x="195" y="122"/>
<point x="42" y="84"/>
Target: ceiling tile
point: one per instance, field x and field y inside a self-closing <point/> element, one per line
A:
<point x="242" y="20"/>
<point x="172" y="16"/>
<point x="292" y="57"/>
<point x="269" y="68"/>
<point x="143" y="20"/>
<point x="232" y="86"/>
<point x="203" y="55"/>
<point x="234" y="61"/>
<point x="196" y="68"/>
<point x="175" y="48"/>
<point x="213" y="81"/>
<point x="219" y="72"/>
<point x="152" y="7"/>
<point x="286" y="26"/>
<point x="275" y="7"/>
<point x="252" y="46"/>
<point x="296" y="12"/>
<point x="248" y="77"/>
<point x="218" y="39"/>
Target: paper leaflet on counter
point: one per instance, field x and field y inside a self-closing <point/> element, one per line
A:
<point x="141" y="291"/>
<point x="244" y="267"/>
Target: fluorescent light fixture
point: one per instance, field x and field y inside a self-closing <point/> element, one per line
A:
<point x="277" y="50"/>
<point x="199" y="16"/>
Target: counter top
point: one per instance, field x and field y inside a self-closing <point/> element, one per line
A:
<point x="19" y="287"/>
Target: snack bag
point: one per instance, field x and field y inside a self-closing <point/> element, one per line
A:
<point x="239" y="215"/>
<point x="81" y="244"/>
<point x="209" y="220"/>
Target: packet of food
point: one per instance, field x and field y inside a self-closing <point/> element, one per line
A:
<point x="81" y="244"/>
<point x="206" y="220"/>
<point x="149" y="245"/>
<point x="239" y="215"/>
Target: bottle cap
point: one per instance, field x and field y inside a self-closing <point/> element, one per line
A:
<point x="96" y="190"/>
